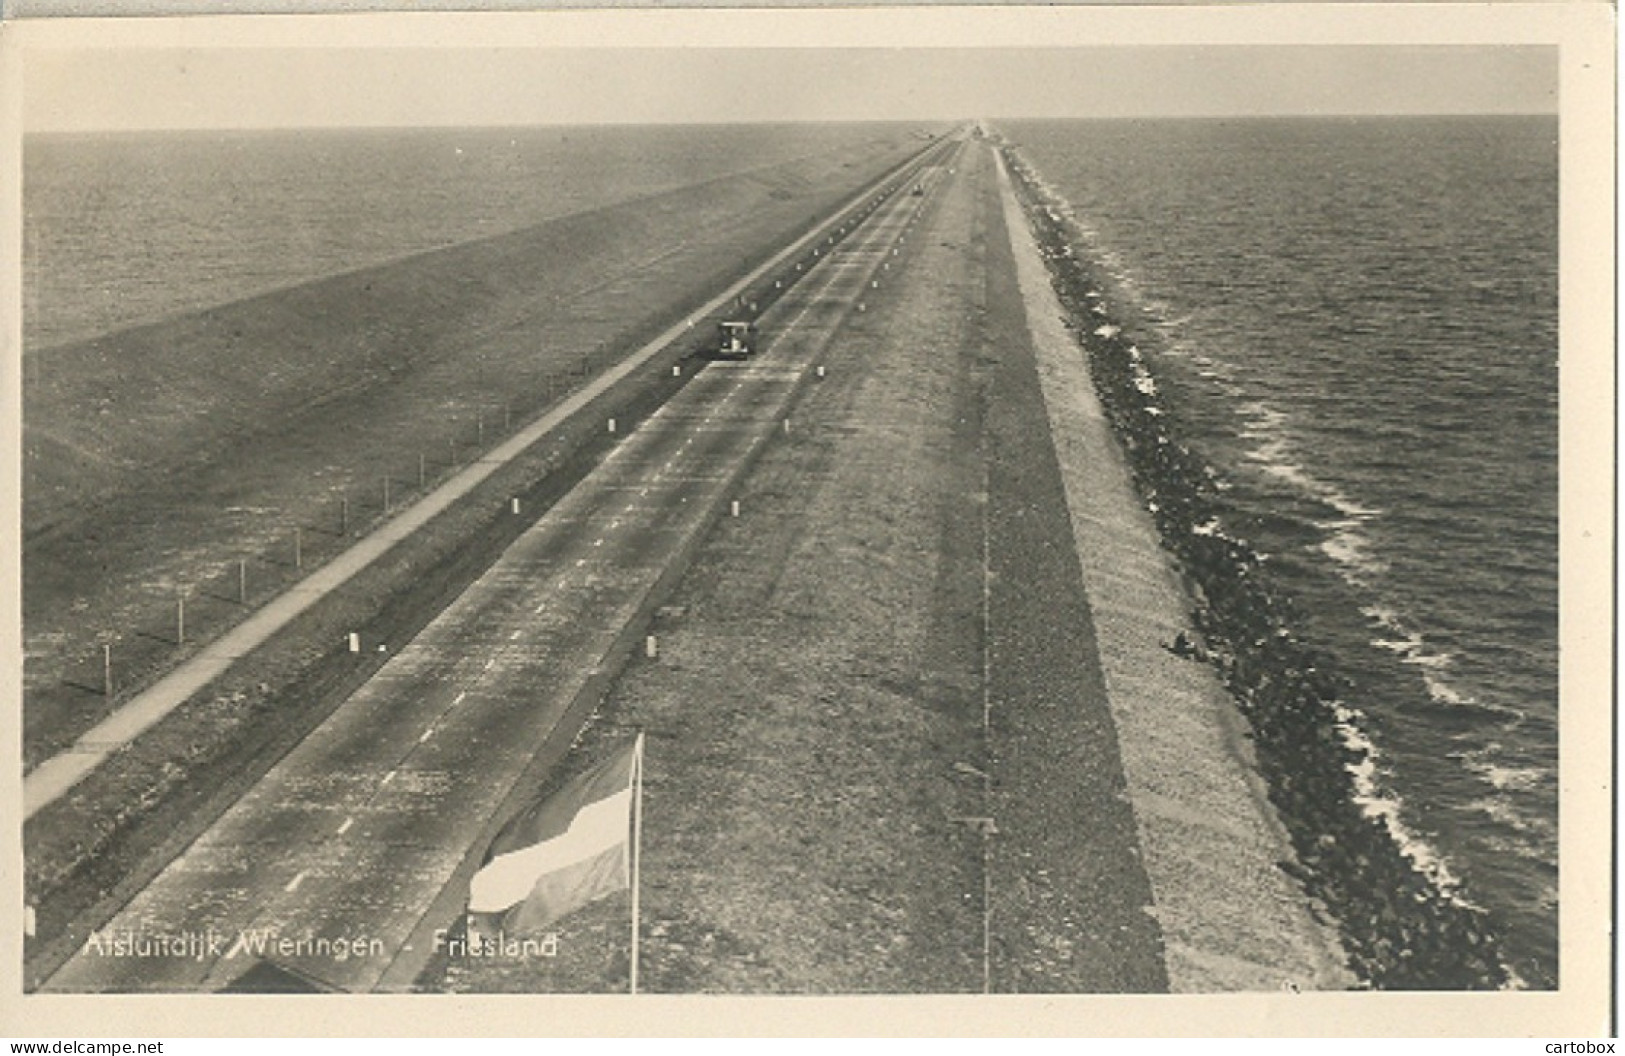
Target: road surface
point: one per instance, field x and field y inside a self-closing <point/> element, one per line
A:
<point x="332" y="864"/>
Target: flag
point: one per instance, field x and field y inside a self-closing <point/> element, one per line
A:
<point x="569" y="849"/>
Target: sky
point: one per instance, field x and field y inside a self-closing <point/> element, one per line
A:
<point x="89" y="89"/>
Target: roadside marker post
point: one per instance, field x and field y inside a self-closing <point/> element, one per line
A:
<point x="355" y="642"/>
<point x="242" y="581"/>
<point x="516" y="505"/>
<point x="180" y="619"/>
<point x="733" y="508"/>
<point x="651" y="648"/>
<point x="298" y="548"/>
<point x="612" y="425"/>
<point x="107" y="670"/>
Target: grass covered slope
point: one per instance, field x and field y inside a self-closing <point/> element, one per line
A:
<point x="157" y="458"/>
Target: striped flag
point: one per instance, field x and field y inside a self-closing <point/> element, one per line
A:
<point x="569" y="849"/>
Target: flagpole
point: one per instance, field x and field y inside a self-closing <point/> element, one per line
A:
<point x="637" y="850"/>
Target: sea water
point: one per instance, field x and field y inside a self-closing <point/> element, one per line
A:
<point x="1357" y="329"/>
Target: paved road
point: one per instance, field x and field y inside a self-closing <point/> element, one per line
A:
<point x="345" y="846"/>
<point x="55" y="776"/>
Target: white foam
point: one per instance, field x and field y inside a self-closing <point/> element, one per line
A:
<point x="1375" y="801"/>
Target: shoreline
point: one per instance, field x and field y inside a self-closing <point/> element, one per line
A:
<point x="1403" y="927"/>
<point x="1230" y="918"/>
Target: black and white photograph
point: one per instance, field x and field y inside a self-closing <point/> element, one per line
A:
<point x="940" y="502"/>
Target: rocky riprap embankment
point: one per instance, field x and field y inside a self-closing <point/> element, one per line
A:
<point x="1402" y="928"/>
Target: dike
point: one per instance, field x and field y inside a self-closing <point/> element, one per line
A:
<point x="1401" y="928"/>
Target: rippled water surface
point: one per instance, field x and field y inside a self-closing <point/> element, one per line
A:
<point x="1358" y="329"/>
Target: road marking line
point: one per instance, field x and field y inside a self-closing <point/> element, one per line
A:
<point x="294" y="883"/>
<point x="346" y="826"/>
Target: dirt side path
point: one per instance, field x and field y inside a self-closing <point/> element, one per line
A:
<point x="846" y="792"/>
<point x="1070" y="903"/>
<point x="1231" y="919"/>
